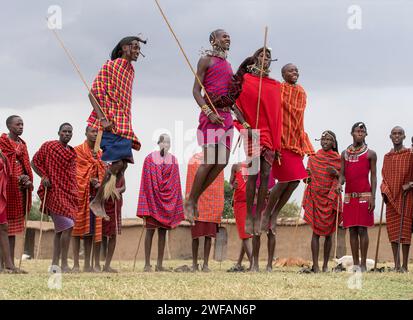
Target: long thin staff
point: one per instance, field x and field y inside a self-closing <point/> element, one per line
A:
<point x="139" y="244"/>
<point x="337" y="216"/>
<point x="72" y="60"/>
<point x="185" y="56"/>
<point x="378" y="237"/>
<point x="25" y="226"/>
<point x="41" y="224"/>
<point x="261" y="75"/>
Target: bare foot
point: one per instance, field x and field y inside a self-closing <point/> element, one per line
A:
<point x="189" y="211"/>
<point x="255" y="268"/>
<point x="205" y="268"/>
<point x="98" y="210"/>
<point x="268" y="268"/>
<point x="110" y="270"/>
<point x="265" y="222"/>
<point x="97" y="269"/>
<point x="325" y="268"/>
<point x="162" y="269"/>
<point x="249" y="224"/>
<point x="147" y="269"/>
<point x="363" y="268"/>
<point x="195" y="268"/>
<point x="66" y="269"/>
<point x="316" y="269"/>
<point x="76" y="269"/>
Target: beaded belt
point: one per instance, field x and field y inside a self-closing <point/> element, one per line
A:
<point x="364" y="196"/>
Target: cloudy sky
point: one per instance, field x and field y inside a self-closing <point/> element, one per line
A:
<point x="354" y="58"/>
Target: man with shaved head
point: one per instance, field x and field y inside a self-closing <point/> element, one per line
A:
<point x="20" y="181"/>
<point x="396" y="189"/>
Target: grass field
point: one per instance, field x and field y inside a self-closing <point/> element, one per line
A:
<point x="282" y="283"/>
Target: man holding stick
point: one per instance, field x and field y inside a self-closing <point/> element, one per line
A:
<point x="111" y="98"/>
<point x="397" y="183"/>
<point x="20" y="183"/>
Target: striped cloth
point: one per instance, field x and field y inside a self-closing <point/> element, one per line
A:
<point x="160" y="195"/>
<point x="112" y="88"/>
<point x="19" y="162"/>
<point x="218" y="77"/>
<point x="88" y="167"/>
<point x="211" y="202"/>
<point x="58" y="164"/>
<point x="294" y="138"/>
<point x="4" y="176"/>
<point x="397" y="171"/>
<point x="320" y="198"/>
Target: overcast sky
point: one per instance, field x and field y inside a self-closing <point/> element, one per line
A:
<point x="349" y="74"/>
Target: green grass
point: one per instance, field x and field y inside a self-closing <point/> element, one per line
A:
<point x="282" y="283"/>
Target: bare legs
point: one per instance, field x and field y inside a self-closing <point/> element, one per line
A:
<point x="253" y="223"/>
<point x="215" y="160"/>
<point x="148" y="248"/>
<point x="5" y="248"/>
<point x="88" y="242"/>
<point x="207" y="250"/>
<point x="405" y="250"/>
<point x="245" y="249"/>
<point x="315" y="247"/>
<point x="111" y="245"/>
<point x="359" y="240"/>
<point x="97" y="205"/>
<point x="61" y="249"/>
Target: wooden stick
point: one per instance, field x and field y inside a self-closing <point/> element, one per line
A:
<point x="378" y="236"/>
<point x="139" y="244"/>
<point x="72" y="60"/>
<point x="261" y="74"/>
<point x="337" y="215"/>
<point x="25" y="226"/>
<point x="238" y="143"/>
<point x="185" y="56"/>
<point x="168" y="251"/>
<point x="41" y="224"/>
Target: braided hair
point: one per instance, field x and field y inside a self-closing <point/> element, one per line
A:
<point x="117" y="51"/>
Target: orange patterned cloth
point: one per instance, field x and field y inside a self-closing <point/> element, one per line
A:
<point x="397" y="171"/>
<point x="87" y="168"/>
<point x="211" y="202"/>
<point x="294" y="138"/>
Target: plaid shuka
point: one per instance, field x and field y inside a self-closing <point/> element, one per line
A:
<point x="397" y="171"/>
<point x="293" y="137"/>
<point x="320" y="199"/>
<point x="160" y="195"/>
<point x="211" y="202"/>
<point x="112" y="88"/>
<point x="87" y="168"/>
<point x="18" y="158"/>
<point x="58" y="164"/>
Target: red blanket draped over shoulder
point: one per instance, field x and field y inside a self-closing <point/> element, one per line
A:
<point x="112" y="88"/>
<point x="58" y="164"/>
<point x="270" y="116"/>
<point x="294" y="137"/>
<point x="15" y="205"/>
<point x="160" y="194"/>
<point x="397" y="171"/>
<point x="320" y="199"/>
<point x="88" y="167"/>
